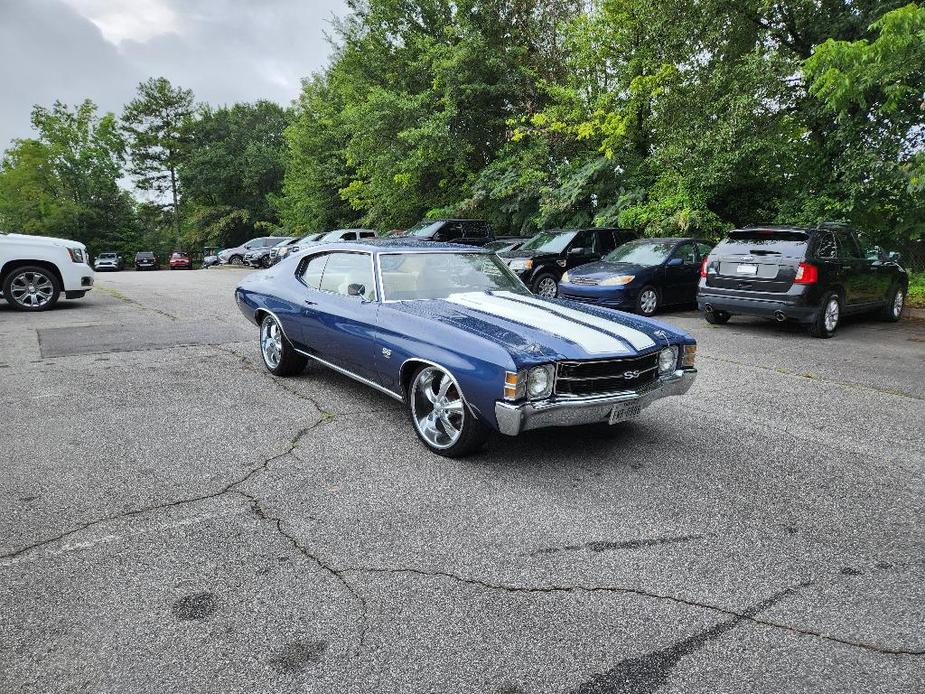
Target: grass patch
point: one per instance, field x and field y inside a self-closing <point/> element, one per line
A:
<point x="916" y="296"/>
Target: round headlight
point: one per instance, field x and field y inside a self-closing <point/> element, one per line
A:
<point x="539" y="382"/>
<point x="667" y="359"/>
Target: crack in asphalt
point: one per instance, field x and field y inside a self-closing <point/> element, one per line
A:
<point x="230" y="487"/>
<point x="277" y="523"/>
<point x="582" y="588"/>
<point x="115" y="293"/>
<point x="608" y="546"/>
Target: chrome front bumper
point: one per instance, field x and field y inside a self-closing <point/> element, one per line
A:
<point x="513" y="419"/>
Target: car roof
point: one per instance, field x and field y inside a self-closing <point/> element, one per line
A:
<point x="396" y="245"/>
<point x="672" y="239"/>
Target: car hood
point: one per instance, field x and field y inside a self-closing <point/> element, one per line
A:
<point x="604" y="268"/>
<point x="534" y="330"/>
<point x="43" y="240"/>
<point x="510" y="255"/>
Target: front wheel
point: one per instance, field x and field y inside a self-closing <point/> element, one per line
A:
<point x="647" y="301"/>
<point x="439" y="415"/>
<point x="31" y="288"/>
<point x="546" y="286"/>
<point x="826" y="323"/>
<point x="893" y="311"/>
<point x="279" y="356"/>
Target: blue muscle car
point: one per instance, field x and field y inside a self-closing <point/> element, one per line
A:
<point x="454" y="334"/>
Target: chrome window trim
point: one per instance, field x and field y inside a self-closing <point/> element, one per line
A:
<point x="307" y="259"/>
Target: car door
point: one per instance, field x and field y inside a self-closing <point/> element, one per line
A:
<point x="581" y="250"/>
<point x="346" y="309"/>
<point x="855" y="270"/>
<point x="880" y="271"/>
<point x="682" y="274"/>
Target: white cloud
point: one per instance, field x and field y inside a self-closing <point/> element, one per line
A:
<point x="134" y="20"/>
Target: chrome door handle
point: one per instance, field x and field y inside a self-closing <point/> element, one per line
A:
<point x="309" y="302"/>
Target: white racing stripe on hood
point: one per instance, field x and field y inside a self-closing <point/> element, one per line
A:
<point x="638" y="339"/>
<point x="591" y="340"/>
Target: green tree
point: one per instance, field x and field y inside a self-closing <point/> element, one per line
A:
<point x="154" y="123"/>
<point x="64" y="182"/>
<point x="233" y="172"/>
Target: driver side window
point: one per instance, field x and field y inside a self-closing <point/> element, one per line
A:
<point x="686" y="253"/>
<point x="349" y="274"/>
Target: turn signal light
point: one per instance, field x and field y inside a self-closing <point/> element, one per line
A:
<point x="703" y="267"/>
<point x="807" y="273"/>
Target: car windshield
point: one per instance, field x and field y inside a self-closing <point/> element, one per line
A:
<point x="549" y="241"/>
<point x="284" y="242"/>
<point x="336" y="235"/>
<point x="425" y="228"/>
<point x="410" y="276"/>
<point x="645" y="253"/>
<point x="107" y="256"/>
<point x="179" y="255"/>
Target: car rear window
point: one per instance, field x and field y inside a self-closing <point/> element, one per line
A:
<point x="145" y="254"/>
<point x="765" y="241"/>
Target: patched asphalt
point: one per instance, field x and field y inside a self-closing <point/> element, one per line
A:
<point x="175" y="519"/>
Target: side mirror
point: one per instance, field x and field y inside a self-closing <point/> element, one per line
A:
<point x="674" y="262"/>
<point x="356" y="289"/>
<point x="894" y="256"/>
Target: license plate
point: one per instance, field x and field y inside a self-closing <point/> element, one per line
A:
<point x="624" y="411"/>
<point x="747" y="269"/>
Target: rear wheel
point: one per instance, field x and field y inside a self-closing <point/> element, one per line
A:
<point x="31" y="288"/>
<point x="279" y="356"/>
<point x="717" y="317"/>
<point x="647" y="301"/>
<point x="826" y="323"/>
<point x="893" y="310"/>
<point x="439" y="416"/>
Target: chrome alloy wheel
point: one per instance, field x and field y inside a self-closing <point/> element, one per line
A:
<point x="898" y="303"/>
<point x="547" y="288"/>
<point x="271" y="342"/>
<point x="832" y="310"/>
<point x="31" y="289"/>
<point x="437" y="407"/>
<point x="648" y="300"/>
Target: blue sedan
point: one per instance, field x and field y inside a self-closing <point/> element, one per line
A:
<point x="640" y="276"/>
<point x="451" y="332"/>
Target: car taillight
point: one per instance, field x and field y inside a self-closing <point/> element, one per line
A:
<point x="703" y="267"/>
<point x="807" y="273"/>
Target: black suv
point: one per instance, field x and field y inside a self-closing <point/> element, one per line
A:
<point x="472" y="232"/>
<point x="811" y="275"/>
<point x="146" y="260"/>
<point x="541" y="261"/>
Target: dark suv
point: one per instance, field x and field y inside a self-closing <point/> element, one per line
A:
<point x="811" y="275"/>
<point x="472" y="232"/>
<point x="146" y="260"/>
<point x="541" y="261"/>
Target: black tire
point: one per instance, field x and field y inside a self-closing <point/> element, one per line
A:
<point x="282" y="360"/>
<point x="545" y="284"/>
<point x="643" y="306"/>
<point x="717" y="317"/>
<point x="893" y="310"/>
<point x="821" y="326"/>
<point x="31" y="288"/>
<point x="236" y="260"/>
<point x="472" y="433"/>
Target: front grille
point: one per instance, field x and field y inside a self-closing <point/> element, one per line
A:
<point x="580" y="378"/>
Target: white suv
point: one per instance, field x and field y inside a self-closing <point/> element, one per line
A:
<point x="35" y="270"/>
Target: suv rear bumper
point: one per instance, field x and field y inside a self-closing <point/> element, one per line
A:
<point x="768" y="308"/>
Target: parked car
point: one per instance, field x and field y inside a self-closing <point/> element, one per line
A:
<point x="471" y="232"/>
<point x="36" y="270"/>
<point x="640" y="276"/>
<point x="273" y="257"/>
<point x="455" y="335"/>
<point x="298" y="245"/>
<point x="235" y="256"/>
<point x="180" y="260"/>
<point x="108" y="261"/>
<point x="541" y="261"/>
<point x="259" y="257"/>
<point x="146" y="260"/>
<point x="210" y="257"/>
<point x="810" y="275"/>
<point x="506" y="243"/>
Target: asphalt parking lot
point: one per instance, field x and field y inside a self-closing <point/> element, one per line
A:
<point x="176" y="520"/>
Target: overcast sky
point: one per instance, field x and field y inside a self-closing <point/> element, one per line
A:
<point x="224" y="50"/>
